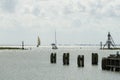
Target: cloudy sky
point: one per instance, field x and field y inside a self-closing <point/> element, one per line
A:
<point x="76" y="21"/>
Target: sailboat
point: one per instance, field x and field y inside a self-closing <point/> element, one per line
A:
<point x="38" y="42"/>
<point x="54" y="45"/>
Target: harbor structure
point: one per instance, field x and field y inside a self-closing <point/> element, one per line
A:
<point x="22" y="44"/>
<point x="110" y="44"/>
<point x="101" y="47"/>
<point x="112" y="62"/>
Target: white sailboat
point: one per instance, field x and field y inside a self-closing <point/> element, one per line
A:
<point x="54" y="45"/>
<point x="38" y="42"/>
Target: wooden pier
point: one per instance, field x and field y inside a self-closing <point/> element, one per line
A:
<point x="111" y="62"/>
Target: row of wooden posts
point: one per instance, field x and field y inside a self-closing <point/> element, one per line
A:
<point x="111" y="62"/>
<point x="80" y="59"/>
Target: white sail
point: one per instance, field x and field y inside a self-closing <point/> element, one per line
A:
<point x="38" y="42"/>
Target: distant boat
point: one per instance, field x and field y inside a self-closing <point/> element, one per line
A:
<point x="54" y="45"/>
<point x="38" y="42"/>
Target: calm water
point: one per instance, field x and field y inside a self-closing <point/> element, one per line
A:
<point x="35" y="65"/>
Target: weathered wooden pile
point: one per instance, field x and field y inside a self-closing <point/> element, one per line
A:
<point x="80" y="59"/>
<point x="112" y="62"/>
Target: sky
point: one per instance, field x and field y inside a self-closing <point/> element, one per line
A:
<point x="75" y="21"/>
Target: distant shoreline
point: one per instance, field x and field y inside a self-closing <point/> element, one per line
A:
<point x="110" y="49"/>
<point x="11" y="48"/>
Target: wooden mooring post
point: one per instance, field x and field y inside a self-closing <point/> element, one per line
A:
<point x="80" y="60"/>
<point x="53" y="58"/>
<point x="66" y="58"/>
<point x="94" y="58"/>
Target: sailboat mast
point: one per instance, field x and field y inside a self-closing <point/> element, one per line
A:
<point x="55" y="38"/>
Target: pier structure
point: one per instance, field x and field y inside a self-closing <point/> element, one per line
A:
<point x="101" y="47"/>
<point x="112" y="62"/>
<point x="110" y="42"/>
<point x="22" y="44"/>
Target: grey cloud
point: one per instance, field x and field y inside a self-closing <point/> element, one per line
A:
<point x="110" y="11"/>
<point x="8" y="5"/>
<point x="81" y="7"/>
<point x="101" y="9"/>
<point x="68" y="10"/>
<point x="96" y="7"/>
<point x="77" y="23"/>
<point x="114" y="11"/>
<point x="36" y="11"/>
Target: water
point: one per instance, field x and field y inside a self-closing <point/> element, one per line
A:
<point x="35" y="65"/>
